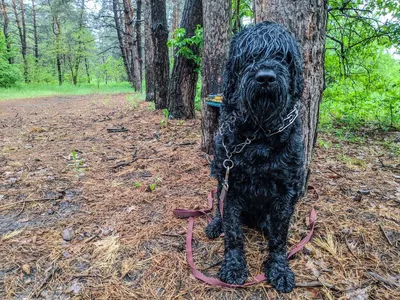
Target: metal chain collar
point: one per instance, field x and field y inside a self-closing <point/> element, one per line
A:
<point x="228" y="163"/>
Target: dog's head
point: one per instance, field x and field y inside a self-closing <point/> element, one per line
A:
<point x="263" y="76"/>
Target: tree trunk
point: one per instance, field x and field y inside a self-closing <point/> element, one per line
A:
<point x="139" y="38"/>
<point x="149" y="52"/>
<point x="75" y="64"/>
<point x="87" y="70"/>
<point x="182" y="85"/>
<point x="35" y="36"/>
<point x="57" y="33"/>
<point x="5" y="30"/>
<point x="159" y="30"/>
<point x="22" y="34"/>
<point x="306" y="19"/>
<point x="217" y="32"/>
<point x="130" y="46"/>
<point x="121" y="40"/>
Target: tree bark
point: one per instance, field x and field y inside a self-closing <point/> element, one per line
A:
<point x="139" y="38"/>
<point x="159" y="30"/>
<point x="216" y="35"/>
<point x="130" y="45"/>
<point x="35" y="35"/>
<point x="22" y="34"/>
<point x="182" y="85"/>
<point x="5" y="30"/>
<point x="306" y="19"/>
<point x="121" y="40"/>
<point x="149" y="52"/>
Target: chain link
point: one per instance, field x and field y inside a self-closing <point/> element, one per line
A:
<point x="228" y="163"/>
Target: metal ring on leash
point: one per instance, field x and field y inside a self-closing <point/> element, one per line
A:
<point x="231" y="164"/>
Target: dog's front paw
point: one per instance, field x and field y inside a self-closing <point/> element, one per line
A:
<point x="279" y="275"/>
<point x="233" y="269"/>
<point x="214" y="229"/>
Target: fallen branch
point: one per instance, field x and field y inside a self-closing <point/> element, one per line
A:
<point x="385" y="234"/>
<point x="122" y="129"/>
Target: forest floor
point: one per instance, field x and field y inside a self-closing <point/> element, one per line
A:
<point x="86" y="213"/>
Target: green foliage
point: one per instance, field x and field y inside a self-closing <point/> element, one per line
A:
<point x="9" y="73"/>
<point x="363" y="85"/>
<point x="184" y="45"/>
<point x="245" y="11"/>
<point x="164" y="122"/>
<point x="152" y="187"/>
<point x="369" y="96"/>
<point x="77" y="163"/>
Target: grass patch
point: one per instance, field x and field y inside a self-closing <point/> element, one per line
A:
<point x="41" y="90"/>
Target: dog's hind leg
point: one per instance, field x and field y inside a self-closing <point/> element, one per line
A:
<point x="276" y="268"/>
<point x="234" y="268"/>
<point x="214" y="228"/>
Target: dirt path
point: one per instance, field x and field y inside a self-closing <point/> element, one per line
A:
<point x="63" y="176"/>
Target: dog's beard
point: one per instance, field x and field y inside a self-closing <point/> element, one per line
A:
<point x="263" y="107"/>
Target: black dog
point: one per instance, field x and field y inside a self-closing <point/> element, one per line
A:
<point x="260" y="144"/>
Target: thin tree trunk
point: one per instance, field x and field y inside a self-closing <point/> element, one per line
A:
<point x="131" y="47"/>
<point x="182" y="85"/>
<point x="149" y="52"/>
<point x="139" y="38"/>
<point x="217" y="32"/>
<point x="121" y="40"/>
<point x="22" y="34"/>
<point x="5" y="30"/>
<point x="35" y="35"/>
<point x="57" y="32"/>
<point x="161" y="60"/>
<point x="306" y="19"/>
<point x="87" y="69"/>
<point x="75" y="64"/>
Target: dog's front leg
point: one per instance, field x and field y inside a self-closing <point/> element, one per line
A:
<point x="234" y="268"/>
<point x="277" y="269"/>
<point x="214" y="228"/>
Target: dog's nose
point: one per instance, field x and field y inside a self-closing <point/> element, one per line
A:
<point x="265" y="77"/>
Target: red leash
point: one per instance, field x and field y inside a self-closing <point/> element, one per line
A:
<point x="189" y="250"/>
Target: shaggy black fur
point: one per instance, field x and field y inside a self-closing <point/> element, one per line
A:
<point x="263" y="83"/>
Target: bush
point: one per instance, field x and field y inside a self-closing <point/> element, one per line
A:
<point x="9" y="73"/>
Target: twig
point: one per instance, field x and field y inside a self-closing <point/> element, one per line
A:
<point x="112" y="130"/>
<point x="387" y="166"/>
<point x="172" y="235"/>
<point x="186" y="143"/>
<point x="122" y="164"/>
<point x="51" y="272"/>
<point x="91" y="238"/>
<point x="311" y="284"/>
<point x="384" y="233"/>
<point x="26" y="201"/>
<point x="338" y="174"/>
<point x="380" y="278"/>
<point x="213" y="265"/>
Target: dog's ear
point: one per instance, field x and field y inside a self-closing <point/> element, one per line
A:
<point x="231" y="72"/>
<point x="297" y="71"/>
